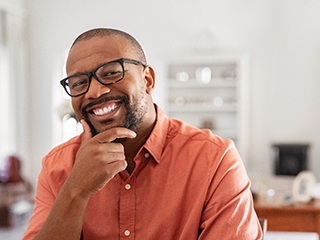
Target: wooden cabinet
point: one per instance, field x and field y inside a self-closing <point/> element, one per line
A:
<point x="211" y="92"/>
<point x="299" y="217"/>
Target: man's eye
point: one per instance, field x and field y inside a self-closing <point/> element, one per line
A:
<point x="79" y="83"/>
<point x="111" y="74"/>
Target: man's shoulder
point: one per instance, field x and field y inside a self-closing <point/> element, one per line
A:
<point x="66" y="149"/>
<point x="180" y="129"/>
<point x="57" y="164"/>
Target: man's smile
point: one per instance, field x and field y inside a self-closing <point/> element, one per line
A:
<point x="106" y="112"/>
<point x="106" y="109"/>
<point x="102" y="106"/>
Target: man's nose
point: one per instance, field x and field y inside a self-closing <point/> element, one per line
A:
<point x="97" y="89"/>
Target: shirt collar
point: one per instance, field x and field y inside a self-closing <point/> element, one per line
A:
<point x="156" y="142"/>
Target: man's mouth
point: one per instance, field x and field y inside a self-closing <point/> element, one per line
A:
<point x="106" y="109"/>
<point x="104" y="112"/>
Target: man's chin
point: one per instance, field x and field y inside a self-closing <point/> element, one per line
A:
<point x="96" y="130"/>
<point x="117" y="140"/>
<point x="100" y="129"/>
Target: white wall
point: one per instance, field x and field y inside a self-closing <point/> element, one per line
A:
<point x="13" y="85"/>
<point x="282" y="38"/>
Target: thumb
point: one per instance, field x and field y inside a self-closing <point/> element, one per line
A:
<point x="86" y="135"/>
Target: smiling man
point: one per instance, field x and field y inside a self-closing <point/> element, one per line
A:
<point x="134" y="173"/>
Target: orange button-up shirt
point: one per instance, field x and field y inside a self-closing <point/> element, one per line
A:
<point x="187" y="184"/>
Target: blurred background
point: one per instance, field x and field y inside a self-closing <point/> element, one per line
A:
<point x="271" y="49"/>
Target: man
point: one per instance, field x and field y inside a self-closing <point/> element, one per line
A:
<point x="134" y="173"/>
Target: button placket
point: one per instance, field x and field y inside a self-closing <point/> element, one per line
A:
<point x="127" y="209"/>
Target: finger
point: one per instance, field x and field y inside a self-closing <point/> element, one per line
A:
<point x="118" y="166"/>
<point x="112" y="134"/>
<point x="86" y="135"/>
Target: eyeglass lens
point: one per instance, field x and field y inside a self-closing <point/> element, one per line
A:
<point x="106" y="74"/>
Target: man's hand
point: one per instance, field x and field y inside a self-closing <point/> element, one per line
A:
<point x="98" y="160"/>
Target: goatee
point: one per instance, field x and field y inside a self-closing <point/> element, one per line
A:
<point x="131" y="120"/>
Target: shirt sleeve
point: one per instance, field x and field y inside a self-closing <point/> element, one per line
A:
<point x="229" y="211"/>
<point x="44" y="200"/>
<point x="56" y="166"/>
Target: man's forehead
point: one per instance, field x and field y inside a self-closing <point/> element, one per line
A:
<point x="107" y="43"/>
<point x="97" y="50"/>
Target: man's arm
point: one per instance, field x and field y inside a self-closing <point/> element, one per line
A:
<point x="66" y="217"/>
<point x="98" y="160"/>
<point x="229" y="212"/>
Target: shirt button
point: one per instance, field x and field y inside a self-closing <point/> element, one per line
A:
<point x="127" y="186"/>
<point x="147" y="155"/>
<point x="127" y="233"/>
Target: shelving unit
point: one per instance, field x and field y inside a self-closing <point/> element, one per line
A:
<point x="211" y="92"/>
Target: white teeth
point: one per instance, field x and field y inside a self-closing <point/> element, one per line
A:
<point x="104" y="110"/>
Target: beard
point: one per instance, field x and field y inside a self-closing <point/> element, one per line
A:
<point x="133" y="117"/>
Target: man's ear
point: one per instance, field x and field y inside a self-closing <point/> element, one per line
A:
<point x="149" y="79"/>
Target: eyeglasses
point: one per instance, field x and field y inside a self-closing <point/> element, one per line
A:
<point x="106" y="74"/>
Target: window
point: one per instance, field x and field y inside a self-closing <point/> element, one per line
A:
<point x="65" y="124"/>
<point x="13" y="133"/>
<point x="6" y="138"/>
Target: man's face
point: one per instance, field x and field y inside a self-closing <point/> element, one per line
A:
<point x="122" y="104"/>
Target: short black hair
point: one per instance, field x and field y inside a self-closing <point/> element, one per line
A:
<point x="102" y="32"/>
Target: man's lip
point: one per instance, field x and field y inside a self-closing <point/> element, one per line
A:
<point x="104" y="108"/>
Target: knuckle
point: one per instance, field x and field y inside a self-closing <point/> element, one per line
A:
<point x="115" y="167"/>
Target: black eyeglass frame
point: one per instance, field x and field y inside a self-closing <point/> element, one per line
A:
<point x="92" y="73"/>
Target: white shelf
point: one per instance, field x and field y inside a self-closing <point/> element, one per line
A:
<point x="193" y="83"/>
<point x="192" y="108"/>
<point x="218" y="101"/>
